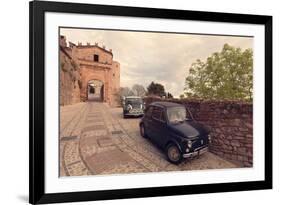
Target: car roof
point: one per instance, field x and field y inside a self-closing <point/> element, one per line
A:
<point x="166" y="104"/>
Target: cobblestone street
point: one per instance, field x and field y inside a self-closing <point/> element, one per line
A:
<point x="95" y="139"/>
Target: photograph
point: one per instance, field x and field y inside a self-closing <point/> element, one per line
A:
<point x="133" y="101"/>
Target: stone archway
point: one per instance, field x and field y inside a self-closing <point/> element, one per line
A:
<point x="95" y="91"/>
<point x="85" y="63"/>
<point x="88" y="76"/>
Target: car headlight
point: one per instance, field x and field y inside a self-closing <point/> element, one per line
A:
<point x="129" y="107"/>
<point x="189" y="143"/>
<point x="210" y="138"/>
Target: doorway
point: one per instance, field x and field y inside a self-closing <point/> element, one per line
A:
<point x="95" y="91"/>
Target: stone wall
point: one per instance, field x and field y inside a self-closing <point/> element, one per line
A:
<point x="115" y="79"/>
<point x="231" y="125"/>
<point x="87" y="53"/>
<point x="69" y="79"/>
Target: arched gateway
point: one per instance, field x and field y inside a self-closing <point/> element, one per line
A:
<point x="95" y="91"/>
<point x="96" y="64"/>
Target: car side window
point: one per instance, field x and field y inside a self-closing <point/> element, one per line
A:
<point x="156" y="113"/>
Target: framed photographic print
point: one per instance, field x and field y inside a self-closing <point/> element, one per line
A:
<point x="141" y="102"/>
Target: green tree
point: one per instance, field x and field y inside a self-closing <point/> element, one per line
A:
<point x="182" y="96"/>
<point x="169" y="95"/>
<point x="225" y="75"/>
<point x="156" y="89"/>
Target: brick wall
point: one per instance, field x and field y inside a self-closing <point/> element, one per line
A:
<point x="231" y="127"/>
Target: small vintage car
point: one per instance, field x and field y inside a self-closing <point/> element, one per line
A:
<point x="133" y="106"/>
<point x="172" y="128"/>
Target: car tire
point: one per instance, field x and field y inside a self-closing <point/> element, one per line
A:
<point x="174" y="154"/>
<point x="124" y="116"/>
<point x="142" y="131"/>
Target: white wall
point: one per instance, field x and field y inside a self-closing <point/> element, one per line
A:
<point x="14" y="106"/>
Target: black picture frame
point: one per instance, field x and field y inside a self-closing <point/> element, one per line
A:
<point x="37" y="192"/>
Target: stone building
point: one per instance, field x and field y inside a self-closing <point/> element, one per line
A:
<point x="97" y="69"/>
<point x="70" y="82"/>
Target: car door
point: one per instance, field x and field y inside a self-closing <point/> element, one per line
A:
<point x="158" y="126"/>
<point x="148" y="120"/>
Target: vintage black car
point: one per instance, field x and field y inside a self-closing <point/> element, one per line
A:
<point x="133" y="106"/>
<point x="172" y="128"/>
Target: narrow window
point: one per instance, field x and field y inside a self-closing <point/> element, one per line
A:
<point x="96" y="58"/>
<point x="156" y="113"/>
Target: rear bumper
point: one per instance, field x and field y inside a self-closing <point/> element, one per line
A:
<point x="199" y="151"/>
<point x="133" y="114"/>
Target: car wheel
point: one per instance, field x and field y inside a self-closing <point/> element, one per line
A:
<point x="142" y="131"/>
<point x="124" y="116"/>
<point x="173" y="153"/>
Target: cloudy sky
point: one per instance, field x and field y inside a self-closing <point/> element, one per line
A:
<point x="159" y="57"/>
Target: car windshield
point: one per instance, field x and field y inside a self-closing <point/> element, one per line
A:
<point x="177" y="114"/>
<point x="134" y="101"/>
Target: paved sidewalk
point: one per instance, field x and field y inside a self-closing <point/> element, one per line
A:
<point x="95" y="139"/>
